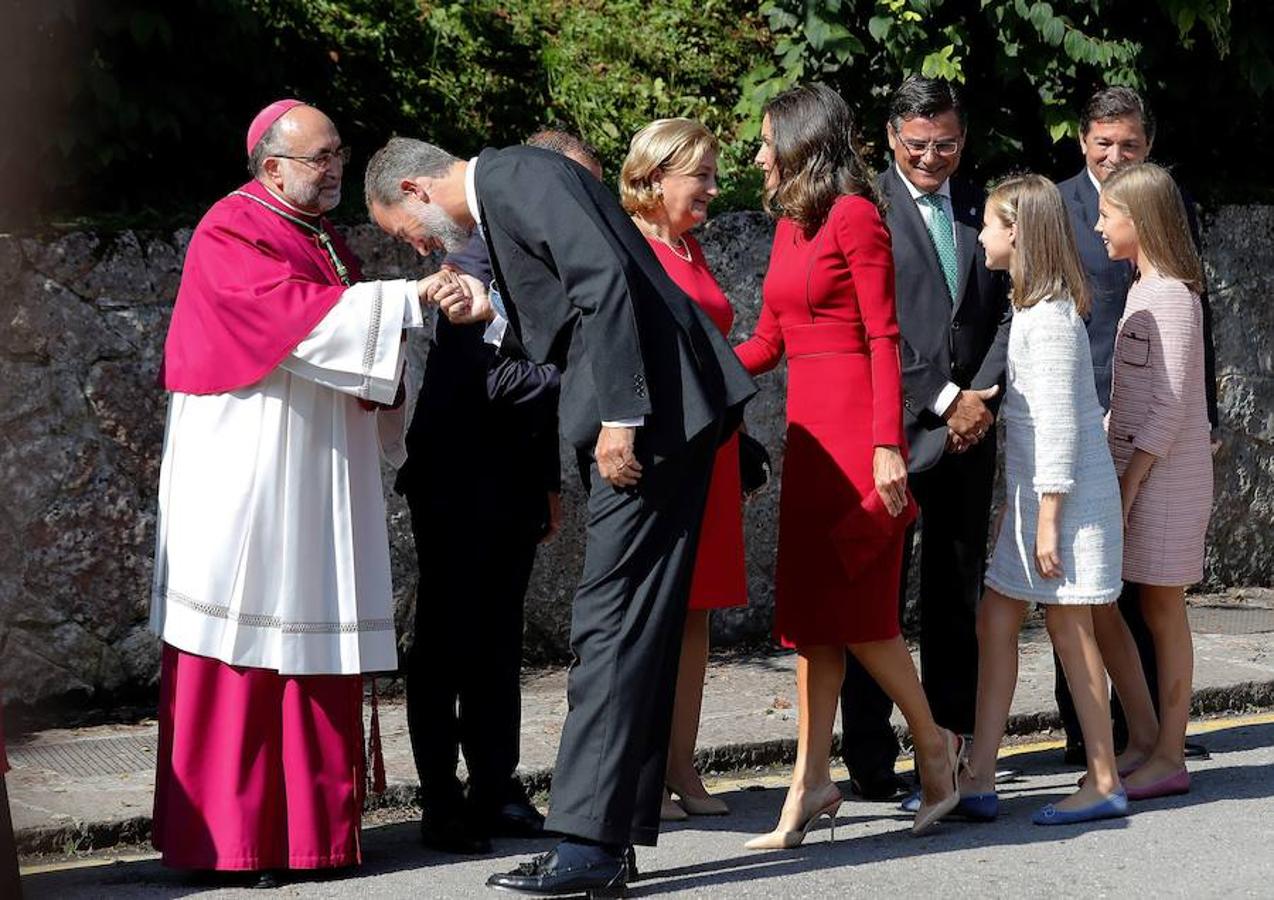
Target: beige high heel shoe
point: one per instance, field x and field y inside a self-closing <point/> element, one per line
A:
<point x="786" y="840"/>
<point x="929" y="815"/>
<point x="699" y="806"/>
<point x="672" y="811"/>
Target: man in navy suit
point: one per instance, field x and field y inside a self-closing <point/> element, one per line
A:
<point x="1116" y="128"/>
<point x="954" y="316"/>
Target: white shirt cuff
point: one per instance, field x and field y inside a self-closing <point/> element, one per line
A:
<point x="625" y="423"/>
<point x="494" y="335"/>
<point x="945" y="396"/>
<point x="413" y="316"/>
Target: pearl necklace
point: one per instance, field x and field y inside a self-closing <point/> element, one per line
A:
<point x="685" y="248"/>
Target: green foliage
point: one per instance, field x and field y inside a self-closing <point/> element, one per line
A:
<point x="137" y="107"/>
<point x="1027" y="66"/>
<point x="611" y="67"/>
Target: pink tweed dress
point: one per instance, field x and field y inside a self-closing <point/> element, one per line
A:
<point x="1157" y="404"/>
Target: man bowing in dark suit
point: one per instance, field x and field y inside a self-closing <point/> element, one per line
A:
<point x="499" y="412"/>
<point x="954" y="316"/>
<point x="1115" y="129"/>
<point x="648" y="387"/>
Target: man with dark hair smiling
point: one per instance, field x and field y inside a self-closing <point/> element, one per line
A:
<point x="954" y="316"/>
<point x="1116" y="128"/>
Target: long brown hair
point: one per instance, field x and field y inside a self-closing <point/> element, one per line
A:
<point x="816" y="153"/>
<point x="1045" y="262"/>
<point x="1147" y="194"/>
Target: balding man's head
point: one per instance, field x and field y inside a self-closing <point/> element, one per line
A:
<point x="300" y="158"/>
<point x="572" y="147"/>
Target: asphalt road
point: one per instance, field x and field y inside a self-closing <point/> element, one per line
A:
<point x="1218" y="841"/>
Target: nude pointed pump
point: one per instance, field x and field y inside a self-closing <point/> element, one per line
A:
<point x="786" y="840"/>
<point x="700" y="806"/>
<point x="929" y="815"/>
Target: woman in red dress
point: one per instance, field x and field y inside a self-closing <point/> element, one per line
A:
<point x="844" y="507"/>
<point x="666" y="184"/>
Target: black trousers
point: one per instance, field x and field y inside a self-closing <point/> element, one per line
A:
<point x="626" y="627"/>
<point x="463" y="690"/>
<point x="1130" y="608"/>
<point x="955" y="509"/>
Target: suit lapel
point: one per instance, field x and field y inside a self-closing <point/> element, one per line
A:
<point x="1087" y="197"/>
<point x="966" y="246"/>
<point x="485" y="229"/>
<point x="1089" y="200"/>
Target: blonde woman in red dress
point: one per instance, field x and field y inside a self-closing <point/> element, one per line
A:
<point x="666" y="183"/>
<point x="844" y="507"/>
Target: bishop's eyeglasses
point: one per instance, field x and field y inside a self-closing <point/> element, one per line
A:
<point x="321" y="161"/>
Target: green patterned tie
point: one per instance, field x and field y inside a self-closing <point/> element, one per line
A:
<point x="943" y="238"/>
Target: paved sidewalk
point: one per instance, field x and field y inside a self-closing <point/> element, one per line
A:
<point x="91" y="787"/>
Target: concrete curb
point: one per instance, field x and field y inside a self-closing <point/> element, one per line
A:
<point x="86" y="835"/>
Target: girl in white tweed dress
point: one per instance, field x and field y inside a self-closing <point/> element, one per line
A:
<point x="1060" y="540"/>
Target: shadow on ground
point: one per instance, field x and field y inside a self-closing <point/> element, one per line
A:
<point x="394" y="848"/>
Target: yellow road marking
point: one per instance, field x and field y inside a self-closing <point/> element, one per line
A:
<point x="1205" y="726"/>
<point x="839" y="773"/>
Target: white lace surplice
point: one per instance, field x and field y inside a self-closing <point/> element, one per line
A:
<point x="271" y="548"/>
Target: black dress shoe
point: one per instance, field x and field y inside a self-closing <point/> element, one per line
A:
<point x="452" y="833"/>
<point x="268" y="881"/>
<point x="881" y="786"/>
<point x="518" y="819"/>
<point x="630" y="858"/>
<point x="568" y="869"/>
<point x="1197" y="751"/>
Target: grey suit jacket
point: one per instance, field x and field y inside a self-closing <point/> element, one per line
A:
<point x="964" y="342"/>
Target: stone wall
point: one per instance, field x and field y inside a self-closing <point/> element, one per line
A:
<point x="82" y="320"/>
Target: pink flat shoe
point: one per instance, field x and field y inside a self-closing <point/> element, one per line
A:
<point x="1124" y="772"/>
<point x="1176" y="783"/>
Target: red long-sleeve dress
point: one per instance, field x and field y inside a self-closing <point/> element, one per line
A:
<point x="719" y="576"/>
<point x="829" y="304"/>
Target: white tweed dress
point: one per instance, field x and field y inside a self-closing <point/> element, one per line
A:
<point x="1055" y="444"/>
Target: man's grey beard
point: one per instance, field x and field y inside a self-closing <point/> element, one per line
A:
<point x="308" y="194"/>
<point x="440" y="225"/>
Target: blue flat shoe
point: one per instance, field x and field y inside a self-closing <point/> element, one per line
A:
<point x="976" y="807"/>
<point x="910" y="803"/>
<point x="1113" y="807"/>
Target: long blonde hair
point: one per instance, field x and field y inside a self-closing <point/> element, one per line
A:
<point x="1045" y="262"/>
<point x="1147" y="194"/>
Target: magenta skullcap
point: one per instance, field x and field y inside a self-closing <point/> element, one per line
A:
<point x="267" y="117"/>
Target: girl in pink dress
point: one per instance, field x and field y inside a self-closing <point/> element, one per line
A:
<point x="1158" y="434"/>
